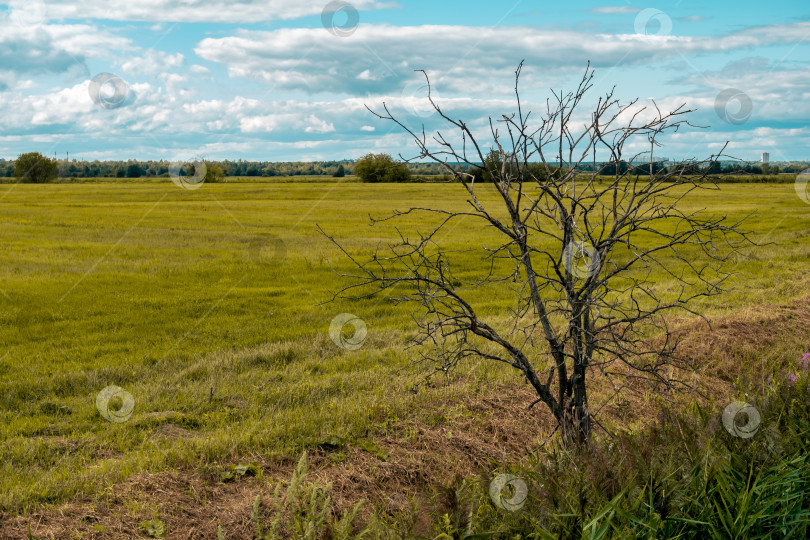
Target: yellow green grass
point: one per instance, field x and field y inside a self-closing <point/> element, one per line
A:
<point x="186" y="300"/>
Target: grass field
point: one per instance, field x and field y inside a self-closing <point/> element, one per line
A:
<point x="208" y="307"/>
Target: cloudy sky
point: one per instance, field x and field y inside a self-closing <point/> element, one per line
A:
<point x="290" y="79"/>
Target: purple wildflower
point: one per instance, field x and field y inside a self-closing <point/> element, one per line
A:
<point x="792" y="378"/>
<point x="805" y="362"/>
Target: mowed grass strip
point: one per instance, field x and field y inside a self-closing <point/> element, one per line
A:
<point x="205" y="305"/>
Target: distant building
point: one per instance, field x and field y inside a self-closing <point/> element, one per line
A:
<point x="766" y="157"/>
<point x="656" y="159"/>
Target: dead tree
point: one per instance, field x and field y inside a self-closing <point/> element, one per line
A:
<point x="580" y="241"/>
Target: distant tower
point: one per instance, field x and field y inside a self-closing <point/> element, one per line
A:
<point x="766" y="156"/>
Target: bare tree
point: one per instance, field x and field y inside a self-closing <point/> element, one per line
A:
<point x="578" y="249"/>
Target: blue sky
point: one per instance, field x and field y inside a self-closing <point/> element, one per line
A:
<point x="272" y="80"/>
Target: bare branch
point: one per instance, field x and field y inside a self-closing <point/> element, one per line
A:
<point x="582" y="247"/>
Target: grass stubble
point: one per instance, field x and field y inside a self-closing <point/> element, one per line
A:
<point x="207" y="307"/>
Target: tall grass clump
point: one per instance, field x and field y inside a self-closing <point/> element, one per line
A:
<point x="301" y="509"/>
<point x="688" y="476"/>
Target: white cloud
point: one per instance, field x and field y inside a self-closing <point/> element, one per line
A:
<point x="472" y="69"/>
<point x="381" y="58"/>
<point x="152" y="63"/>
<point x="30" y="52"/>
<point x="316" y="125"/>
<point x="55" y="48"/>
<point x="61" y="107"/>
<point x="225" y="11"/>
<point x="777" y="93"/>
<point x="256" y="124"/>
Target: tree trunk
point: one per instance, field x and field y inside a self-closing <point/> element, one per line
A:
<point x="576" y="420"/>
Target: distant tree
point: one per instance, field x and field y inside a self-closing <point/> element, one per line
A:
<point x="715" y="167"/>
<point x="134" y="170"/>
<point x="381" y="168"/>
<point x="615" y="167"/>
<point x="213" y="172"/>
<point x="688" y="168"/>
<point x="753" y="169"/>
<point x="188" y="169"/>
<point x="657" y="166"/>
<point x="35" y="168"/>
<point x="340" y="172"/>
<point x="494" y="162"/>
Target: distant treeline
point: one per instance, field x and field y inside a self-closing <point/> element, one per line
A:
<point x="137" y="169"/>
<point x="608" y="169"/>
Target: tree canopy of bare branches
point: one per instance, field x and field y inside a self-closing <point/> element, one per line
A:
<point x="579" y="248"/>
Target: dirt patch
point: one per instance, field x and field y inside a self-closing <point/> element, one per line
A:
<point x="751" y="343"/>
<point x="61" y="442"/>
<point x="237" y="403"/>
<point x="414" y="458"/>
<point x="418" y="457"/>
<point x="172" y="431"/>
<point x="190" y="506"/>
